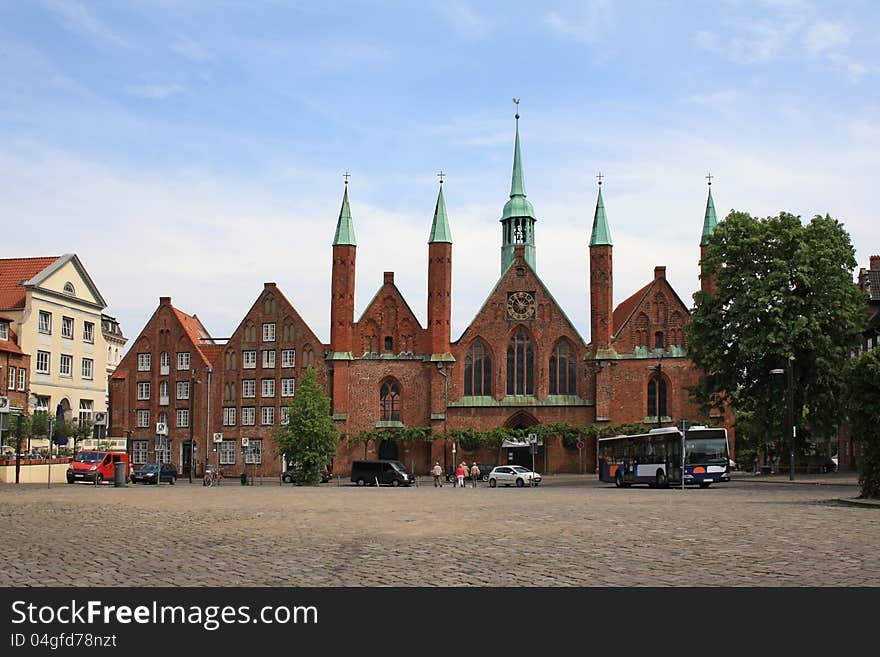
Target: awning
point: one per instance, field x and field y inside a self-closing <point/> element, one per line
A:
<point x="519" y="443"/>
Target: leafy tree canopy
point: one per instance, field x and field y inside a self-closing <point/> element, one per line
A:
<point x="784" y="289"/>
<point x="309" y="438"/>
<point x="863" y="406"/>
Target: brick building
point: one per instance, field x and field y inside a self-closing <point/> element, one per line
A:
<point x="519" y="363"/>
<point x="15" y="367"/>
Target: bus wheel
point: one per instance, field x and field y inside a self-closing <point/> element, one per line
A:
<point x="661" y="481"/>
<point x="618" y="480"/>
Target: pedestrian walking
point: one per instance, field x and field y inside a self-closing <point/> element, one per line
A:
<point x="437" y="471"/>
<point x="475" y="474"/>
<point x="459" y="475"/>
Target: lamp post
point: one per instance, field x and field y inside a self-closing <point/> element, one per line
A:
<point x="789" y="387"/>
<point x="658" y="368"/>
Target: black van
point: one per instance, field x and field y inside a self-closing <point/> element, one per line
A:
<point x="390" y="473"/>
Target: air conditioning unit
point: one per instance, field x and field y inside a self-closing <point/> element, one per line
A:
<point x="161" y="428"/>
<point x="100" y="419"/>
<point x="218" y="437"/>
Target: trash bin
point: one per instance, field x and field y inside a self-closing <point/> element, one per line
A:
<point x="119" y="474"/>
<point x="244" y="481"/>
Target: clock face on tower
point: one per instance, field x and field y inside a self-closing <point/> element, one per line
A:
<point x="521" y="305"/>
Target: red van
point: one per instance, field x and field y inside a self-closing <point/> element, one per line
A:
<point x="95" y="467"/>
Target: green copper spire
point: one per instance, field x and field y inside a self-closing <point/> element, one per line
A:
<point x="601" y="233"/>
<point x="345" y="226"/>
<point x="440" y="228"/>
<point x="711" y="220"/>
<point x="518" y="217"/>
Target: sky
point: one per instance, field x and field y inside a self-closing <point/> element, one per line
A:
<point x="196" y="149"/>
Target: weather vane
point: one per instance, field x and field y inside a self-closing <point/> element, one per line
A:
<point x="440" y="176"/>
<point x="346" y="175"/>
<point x="516" y="102"/>
<point x="599" y="178"/>
<point x="709" y="178"/>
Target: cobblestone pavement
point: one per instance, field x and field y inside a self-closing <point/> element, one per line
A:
<point x="570" y="531"/>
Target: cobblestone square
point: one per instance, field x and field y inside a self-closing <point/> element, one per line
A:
<point x="570" y="531"/>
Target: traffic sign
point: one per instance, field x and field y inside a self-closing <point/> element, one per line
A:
<point x="533" y="438"/>
<point x="218" y="437"/>
<point x="580" y="444"/>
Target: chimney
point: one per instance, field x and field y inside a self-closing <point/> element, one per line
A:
<point x="266" y="286"/>
<point x="659" y="272"/>
<point x="389" y="278"/>
<point x="875" y="263"/>
<point x="164" y="301"/>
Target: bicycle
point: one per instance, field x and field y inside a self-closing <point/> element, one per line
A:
<point x="212" y="477"/>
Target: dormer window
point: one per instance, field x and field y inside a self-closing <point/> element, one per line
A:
<point x="69" y="289"/>
<point x="4" y="331"/>
<point x="389" y="344"/>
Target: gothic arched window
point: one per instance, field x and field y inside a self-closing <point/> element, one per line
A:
<point x="478" y="370"/>
<point x="389" y="401"/>
<point x="657" y="397"/>
<point x="563" y="370"/>
<point x="520" y="365"/>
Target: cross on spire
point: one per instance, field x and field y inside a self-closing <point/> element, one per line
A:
<point x="346" y="176"/>
<point x="441" y="175"/>
<point x="599" y="178"/>
<point x="516" y="102"/>
<point x="709" y="178"/>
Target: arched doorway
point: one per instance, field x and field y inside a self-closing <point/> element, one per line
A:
<point x="519" y="455"/>
<point x="388" y="449"/>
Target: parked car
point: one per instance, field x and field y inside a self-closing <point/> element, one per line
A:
<point x="290" y="475"/>
<point x="831" y="463"/>
<point x="392" y="473"/>
<point x="147" y="474"/>
<point x="95" y="467"/>
<point x="513" y="475"/>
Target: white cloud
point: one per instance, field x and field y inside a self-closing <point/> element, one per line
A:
<point x="77" y="18"/>
<point x="593" y="26"/>
<point x="155" y="91"/>
<point x="465" y="20"/>
<point x="191" y="50"/>
<point x="823" y="36"/>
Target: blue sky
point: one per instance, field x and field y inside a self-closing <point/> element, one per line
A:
<point x="196" y="149"/>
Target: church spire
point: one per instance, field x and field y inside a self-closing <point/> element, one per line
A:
<point x="518" y="217"/>
<point x="601" y="235"/>
<point x="345" y="226"/>
<point x="710" y="220"/>
<point x="440" y="227"/>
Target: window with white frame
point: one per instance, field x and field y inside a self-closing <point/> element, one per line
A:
<point x="43" y="362"/>
<point x="248" y="416"/>
<point x="164" y="362"/>
<point x="143" y="418"/>
<point x="4" y="331"/>
<point x="163" y="393"/>
<point x="138" y="452"/>
<point x="10" y="383"/>
<point x="249" y="359"/>
<point x="144" y="362"/>
<point x="248" y="388"/>
<point x="143" y="390"/>
<point x="288" y="357"/>
<point x="163" y="455"/>
<point x="85" y="411"/>
<point x="88" y="368"/>
<point x="88" y="332"/>
<point x="268" y="388"/>
<point x="285" y="414"/>
<point x="287" y="387"/>
<point x="254" y="451"/>
<point x="229" y="416"/>
<point x="65" y="365"/>
<point x="267" y="415"/>
<point x="183" y="389"/>
<point x="163" y="418"/>
<point x="227" y="452"/>
<point x="182" y="418"/>
<point x="268" y="358"/>
<point x="269" y="332"/>
<point x="67" y="327"/>
<point x="22" y="379"/>
<point x="183" y="360"/>
<point x="45" y="322"/>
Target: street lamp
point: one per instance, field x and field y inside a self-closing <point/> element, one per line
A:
<point x="192" y="444"/>
<point x="789" y="385"/>
<point x="446" y="413"/>
<point x="658" y="368"/>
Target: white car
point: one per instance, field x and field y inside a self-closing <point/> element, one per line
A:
<point x="513" y="475"/>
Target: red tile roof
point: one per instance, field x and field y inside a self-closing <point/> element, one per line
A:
<point x="10" y="347"/>
<point x="195" y="330"/>
<point x="211" y="351"/>
<point x="15" y="270"/>
<point x="625" y="308"/>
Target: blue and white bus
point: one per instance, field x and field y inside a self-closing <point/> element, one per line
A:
<point x="655" y="458"/>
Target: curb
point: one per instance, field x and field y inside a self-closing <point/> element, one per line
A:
<point x="865" y="504"/>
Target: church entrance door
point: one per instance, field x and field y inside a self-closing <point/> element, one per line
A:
<point x="388" y="450"/>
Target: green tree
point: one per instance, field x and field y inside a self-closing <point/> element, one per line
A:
<point x="863" y="406"/>
<point x="784" y="289"/>
<point x="309" y="438"/>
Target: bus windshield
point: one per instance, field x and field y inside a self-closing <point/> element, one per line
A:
<point x="706" y="451"/>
